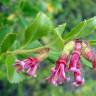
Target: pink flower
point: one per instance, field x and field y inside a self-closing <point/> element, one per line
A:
<point x="28" y="65"/>
<point x="90" y="55"/>
<point x="19" y="66"/>
<point x="58" y="72"/>
<point x="78" y="45"/>
<point x="78" y="80"/>
<point x="94" y="63"/>
<point x="32" y="70"/>
<point x="75" y="58"/>
<point x="30" y="62"/>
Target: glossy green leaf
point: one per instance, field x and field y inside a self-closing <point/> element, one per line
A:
<point x="12" y="75"/>
<point x="57" y="44"/>
<point x="92" y="42"/>
<point x="60" y="28"/>
<point x="40" y="27"/>
<point x="56" y="41"/>
<point x="7" y="42"/>
<point x="86" y="62"/>
<point x="81" y="30"/>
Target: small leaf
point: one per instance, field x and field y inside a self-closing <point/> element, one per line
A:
<point x="56" y="44"/>
<point x="58" y="41"/>
<point x="83" y="29"/>
<point x="40" y="27"/>
<point x="60" y="28"/>
<point x="3" y="32"/>
<point x="7" y="42"/>
<point x="12" y="75"/>
<point x="92" y="42"/>
<point x="86" y="62"/>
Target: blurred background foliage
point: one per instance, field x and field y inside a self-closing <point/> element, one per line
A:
<point x="16" y="16"/>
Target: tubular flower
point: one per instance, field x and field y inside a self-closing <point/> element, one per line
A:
<point x="94" y="63"/>
<point x="75" y="58"/>
<point x="19" y="66"/>
<point x="78" y="79"/>
<point x="31" y="67"/>
<point x="29" y="64"/>
<point x="88" y="53"/>
<point x="58" y="72"/>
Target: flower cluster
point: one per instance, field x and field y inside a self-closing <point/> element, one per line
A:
<point x="69" y="61"/>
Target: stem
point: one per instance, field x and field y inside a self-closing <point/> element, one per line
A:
<point x="21" y="51"/>
<point x="20" y="90"/>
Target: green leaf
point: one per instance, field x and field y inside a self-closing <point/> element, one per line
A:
<point x="40" y="27"/>
<point x="12" y="75"/>
<point x="57" y="44"/>
<point x="60" y="28"/>
<point x="3" y="32"/>
<point x="56" y="40"/>
<point x="54" y="54"/>
<point x="7" y="42"/>
<point x="83" y="29"/>
<point x="92" y="42"/>
<point x="86" y="62"/>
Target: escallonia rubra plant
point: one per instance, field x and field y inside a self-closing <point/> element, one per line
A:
<point x="42" y="39"/>
<point x="68" y="62"/>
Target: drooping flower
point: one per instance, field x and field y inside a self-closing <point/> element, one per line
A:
<point x="58" y="72"/>
<point x="19" y="66"/>
<point x="94" y="63"/>
<point x="88" y="53"/>
<point x="28" y="65"/>
<point x="78" y="79"/>
<point x="32" y="67"/>
<point x="75" y="57"/>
